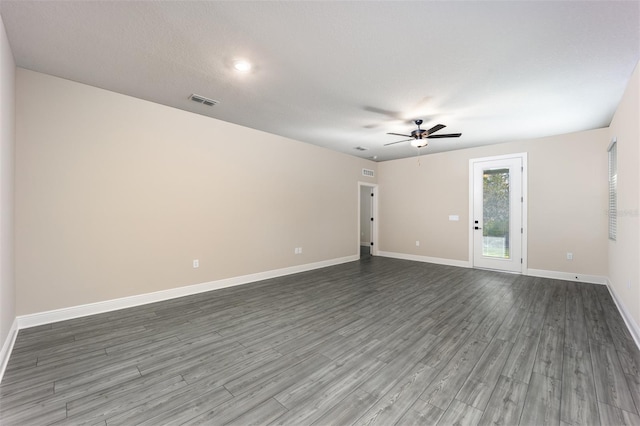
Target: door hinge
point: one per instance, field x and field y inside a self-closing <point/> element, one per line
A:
<point x="522" y="230"/>
<point x="520" y="260"/>
<point x="372" y="194"/>
<point x="522" y="199"/>
<point x="371" y="219"/>
<point x="371" y="242"/>
<point x="522" y="169"/>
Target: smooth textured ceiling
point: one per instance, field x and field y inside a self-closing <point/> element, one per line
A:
<point x="343" y="74"/>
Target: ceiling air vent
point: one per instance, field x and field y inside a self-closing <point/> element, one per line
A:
<point x="360" y="148"/>
<point x="367" y="172"/>
<point x="202" y="100"/>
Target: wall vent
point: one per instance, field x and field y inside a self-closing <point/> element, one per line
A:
<point x="367" y="172"/>
<point x="360" y="148"/>
<point x="202" y="100"/>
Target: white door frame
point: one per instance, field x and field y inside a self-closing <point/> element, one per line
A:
<point x="374" y="213"/>
<point x="523" y="156"/>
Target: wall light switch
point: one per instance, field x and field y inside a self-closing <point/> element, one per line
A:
<point x="454" y="217"/>
<point x="569" y="256"/>
<point x="196" y="263"/>
<point x="417" y="243"/>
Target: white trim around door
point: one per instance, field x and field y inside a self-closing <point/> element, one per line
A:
<point x="522" y="157"/>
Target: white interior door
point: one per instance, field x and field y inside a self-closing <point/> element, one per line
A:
<point x="497" y="214"/>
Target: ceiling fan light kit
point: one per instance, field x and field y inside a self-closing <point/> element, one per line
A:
<point x="419" y="143"/>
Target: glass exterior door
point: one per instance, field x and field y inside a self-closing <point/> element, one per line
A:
<point x="497" y="214"/>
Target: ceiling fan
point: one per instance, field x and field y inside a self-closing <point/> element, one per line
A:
<point x="419" y="136"/>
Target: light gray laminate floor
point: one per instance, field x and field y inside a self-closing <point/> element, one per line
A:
<point x="379" y="340"/>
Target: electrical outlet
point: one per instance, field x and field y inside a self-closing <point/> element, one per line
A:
<point x="417" y="243"/>
<point x="628" y="283"/>
<point x="297" y="250"/>
<point x="569" y="256"/>
<point x="196" y="263"/>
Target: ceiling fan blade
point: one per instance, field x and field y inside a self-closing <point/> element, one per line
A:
<point x="400" y="134"/>
<point x="435" y="128"/>
<point x="448" y="135"/>
<point x="393" y="143"/>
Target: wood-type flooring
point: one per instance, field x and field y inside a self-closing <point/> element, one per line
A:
<point x="376" y="341"/>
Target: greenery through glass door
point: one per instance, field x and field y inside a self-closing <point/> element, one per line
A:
<point x="495" y="229"/>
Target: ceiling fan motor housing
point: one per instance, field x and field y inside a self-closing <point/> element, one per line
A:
<point x="419" y="134"/>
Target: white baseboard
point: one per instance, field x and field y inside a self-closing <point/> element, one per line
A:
<point x="7" y="347"/>
<point x="40" y="318"/>
<point x="567" y="276"/>
<point x="633" y="328"/>
<point x="417" y="258"/>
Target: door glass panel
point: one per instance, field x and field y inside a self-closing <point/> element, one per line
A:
<point x="495" y="208"/>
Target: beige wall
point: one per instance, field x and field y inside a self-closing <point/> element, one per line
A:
<point x="7" y="144"/>
<point x="567" y="197"/>
<point x="116" y="196"/>
<point x="624" y="253"/>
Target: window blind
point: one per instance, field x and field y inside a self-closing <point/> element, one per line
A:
<point x="613" y="190"/>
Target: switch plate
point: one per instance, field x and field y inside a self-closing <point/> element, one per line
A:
<point x="196" y="263"/>
<point x="417" y="243"/>
<point x="454" y="217"/>
<point x="569" y="256"/>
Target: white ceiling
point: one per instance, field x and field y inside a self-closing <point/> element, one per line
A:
<point x="343" y="74"/>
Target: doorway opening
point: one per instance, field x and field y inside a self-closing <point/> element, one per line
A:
<point x="367" y="224"/>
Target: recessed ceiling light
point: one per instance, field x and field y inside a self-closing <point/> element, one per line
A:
<point x="242" y="66"/>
